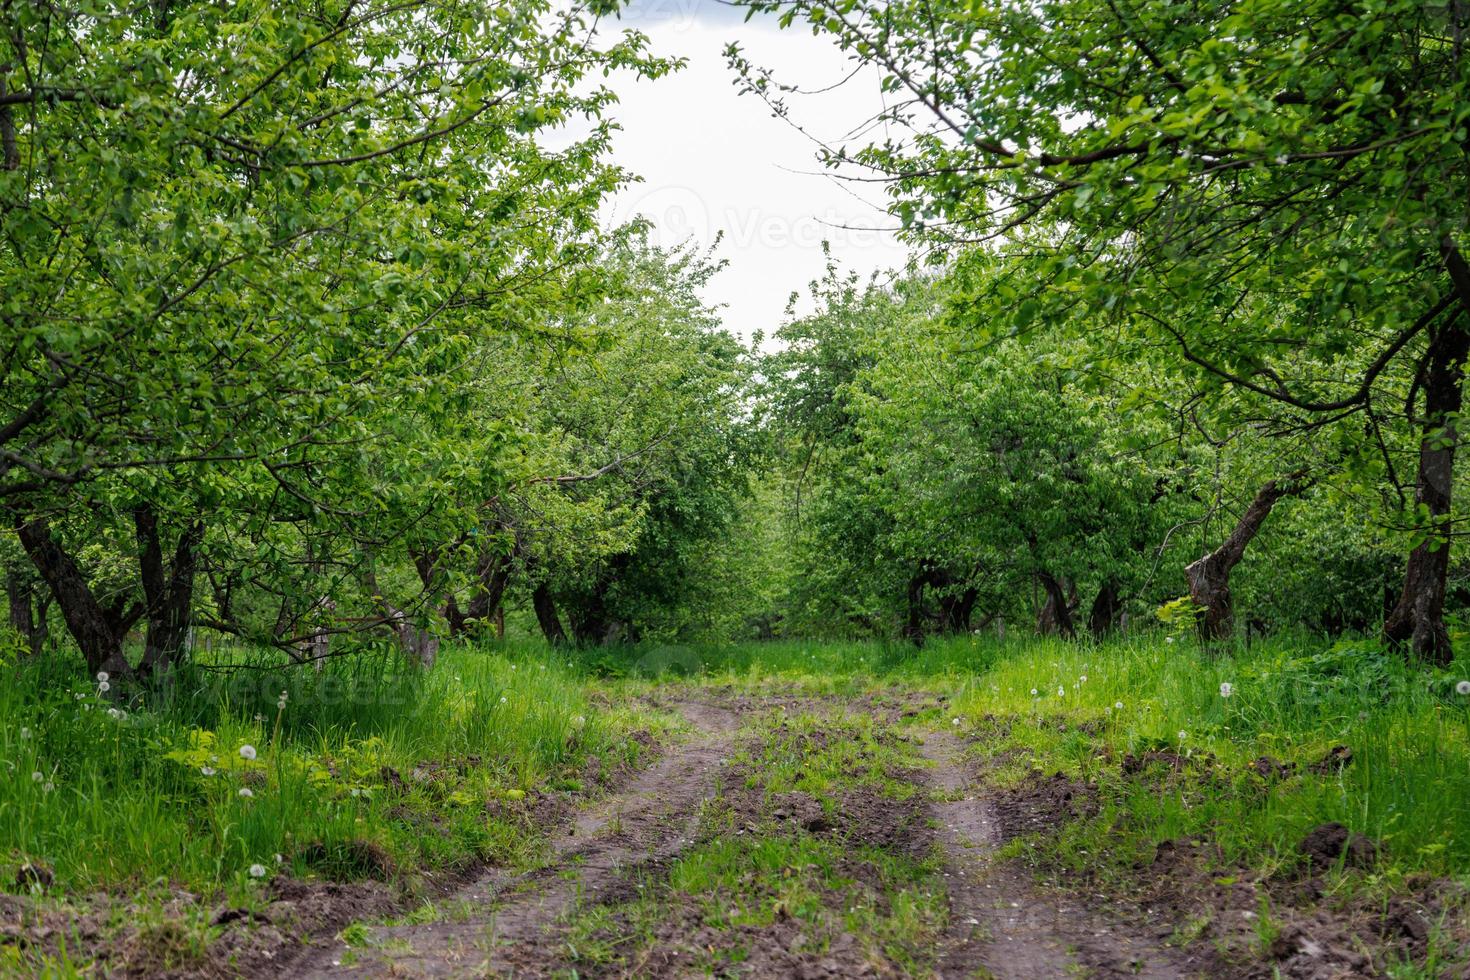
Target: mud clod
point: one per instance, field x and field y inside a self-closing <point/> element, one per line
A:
<point x="34" y="876"/>
<point x="1325" y="844"/>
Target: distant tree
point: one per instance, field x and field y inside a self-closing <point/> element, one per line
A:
<point x="1274" y="190"/>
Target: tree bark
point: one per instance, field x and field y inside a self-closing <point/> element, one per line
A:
<point x="1209" y="576"/>
<point x="957" y="609"/>
<point x="1055" y="617"/>
<point x="98" y="632"/>
<point x="28" y="610"/>
<point x="492" y="575"/>
<point x="546" y="615"/>
<point x="1105" y="608"/>
<point x="419" y="645"/>
<point x="168" y="592"/>
<point x="1417" y="617"/>
<point x="913" y="630"/>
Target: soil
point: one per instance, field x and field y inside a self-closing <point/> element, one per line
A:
<point x="505" y="917"/>
<point x="1003" y="925"/>
<point x="1181" y="916"/>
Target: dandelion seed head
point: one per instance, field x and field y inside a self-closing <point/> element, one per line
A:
<point x="48" y="787"/>
<point x="103" y="677"/>
<point x="206" y="770"/>
<point x="36" y="777"/>
<point x="247" y="752"/>
<point x="1118" y="705"/>
<point x="246" y="793"/>
<point x="1183" y="735"/>
<point x="257" y="871"/>
<point x="103" y="687"/>
<point x="25" y="733"/>
<point x="1463" y="688"/>
<point x="1034" y="692"/>
<point x="1226" y="689"/>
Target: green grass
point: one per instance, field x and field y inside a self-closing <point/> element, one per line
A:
<point x="372" y="768"/>
<point x="1408" y="729"/>
<point x="116" y="802"/>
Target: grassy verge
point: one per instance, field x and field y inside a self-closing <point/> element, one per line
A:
<point x="362" y="770"/>
<point x="1261" y="723"/>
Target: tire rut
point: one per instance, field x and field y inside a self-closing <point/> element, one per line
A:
<point x="503" y="918"/>
<point x="1001" y="924"/>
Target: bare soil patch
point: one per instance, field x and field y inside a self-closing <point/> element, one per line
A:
<point x="1003" y="925"/>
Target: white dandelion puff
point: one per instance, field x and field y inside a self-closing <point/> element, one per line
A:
<point x="257" y="871"/>
<point x="247" y="752"/>
<point x="1226" y="689"/>
<point x="1463" y="688"/>
<point x="103" y="677"/>
<point x="206" y="770"/>
<point x="246" y="793"/>
<point x="36" y="777"/>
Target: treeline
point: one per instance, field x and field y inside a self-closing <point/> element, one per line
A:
<point x="309" y="335"/>
<point x="1232" y="233"/>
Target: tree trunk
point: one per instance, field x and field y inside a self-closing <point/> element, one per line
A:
<point x="492" y="575"/>
<point x="956" y="610"/>
<point x="1105" y="608"/>
<point x="168" y="593"/>
<point x="418" y="644"/>
<point x="98" y="632"/>
<point x="1418" y="617"/>
<point x="913" y="630"/>
<point x="28" y="610"/>
<point x="1055" y="618"/>
<point x="1209" y="576"/>
<point x="546" y="615"/>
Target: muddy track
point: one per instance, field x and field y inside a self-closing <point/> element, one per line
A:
<point x="1002" y="924"/>
<point x="498" y="923"/>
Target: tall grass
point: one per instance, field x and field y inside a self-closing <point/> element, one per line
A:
<point x="365" y="751"/>
<point x="1082" y="708"/>
<point x="417" y="763"/>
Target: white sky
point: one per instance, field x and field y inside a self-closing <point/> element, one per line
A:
<point x="713" y="160"/>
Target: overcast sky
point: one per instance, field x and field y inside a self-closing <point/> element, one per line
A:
<point x="713" y="160"/>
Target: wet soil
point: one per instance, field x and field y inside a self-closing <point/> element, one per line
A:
<point x="1181" y="915"/>
<point x="1003" y="925"/>
<point x="496" y="922"/>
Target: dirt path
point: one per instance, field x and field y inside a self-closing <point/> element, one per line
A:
<point x="1001" y="924"/>
<point x="495" y="925"/>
